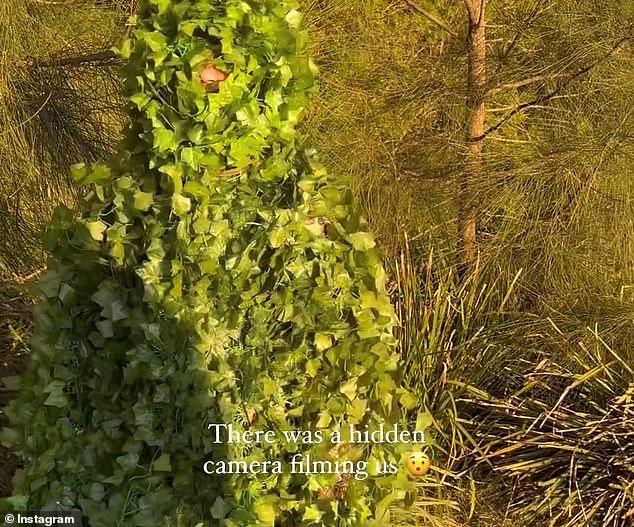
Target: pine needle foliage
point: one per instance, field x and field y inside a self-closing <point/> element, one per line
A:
<point x="60" y="104"/>
<point x="555" y="196"/>
<point x="384" y="70"/>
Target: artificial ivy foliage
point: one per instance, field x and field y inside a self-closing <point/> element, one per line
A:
<point x="215" y="273"/>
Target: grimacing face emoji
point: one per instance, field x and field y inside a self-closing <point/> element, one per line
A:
<point x="418" y="464"/>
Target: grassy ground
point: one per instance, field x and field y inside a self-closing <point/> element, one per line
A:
<point x="51" y="115"/>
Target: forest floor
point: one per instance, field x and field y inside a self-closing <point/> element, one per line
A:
<point x="12" y="362"/>
<point x="9" y="365"/>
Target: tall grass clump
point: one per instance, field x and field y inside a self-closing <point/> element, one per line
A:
<point x="565" y="438"/>
<point x="450" y="340"/>
<point x="456" y="340"/>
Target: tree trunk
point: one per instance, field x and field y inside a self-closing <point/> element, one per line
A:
<point x="476" y="113"/>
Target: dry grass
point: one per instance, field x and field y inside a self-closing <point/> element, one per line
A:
<point x="53" y="113"/>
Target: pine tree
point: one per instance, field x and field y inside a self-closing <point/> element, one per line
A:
<point x="216" y="273"/>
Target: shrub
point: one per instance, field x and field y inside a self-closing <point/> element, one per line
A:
<point x="215" y="273"/>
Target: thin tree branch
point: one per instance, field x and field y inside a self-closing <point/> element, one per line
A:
<point x="526" y="82"/>
<point x="15" y="308"/>
<point x="471" y="8"/>
<point x="555" y="92"/>
<point x="481" y="12"/>
<point x="100" y="58"/>
<point x="432" y="18"/>
<point x="29" y="119"/>
<point x="26" y="278"/>
<point x="56" y="2"/>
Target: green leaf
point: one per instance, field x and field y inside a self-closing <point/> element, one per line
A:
<point x="382" y="514"/>
<point x="96" y="492"/>
<point x="196" y="134"/>
<point x="105" y="295"/>
<point x="140" y="100"/>
<point x="56" y="394"/>
<point x="84" y="176"/>
<point x="163" y="5"/>
<point x="358" y="409"/>
<point x="97" y="229"/>
<point x="294" y="19"/>
<point x="189" y="156"/>
<point x="323" y="341"/>
<point x="266" y="512"/>
<point x="12" y="382"/>
<point x="278" y="236"/>
<point x="424" y="420"/>
<point x="78" y="172"/>
<point x="408" y="400"/>
<point x="324" y="419"/>
<point x="125" y="50"/>
<point x="116" y="311"/>
<point x="17" y="502"/>
<point x="312" y="367"/>
<point x="220" y="509"/>
<point x="128" y="461"/>
<point x="361" y="241"/>
<point x="105" y="328"/>
<point x="175" y="173"/>
<point x="164" y="140"/>
<point x="313" y="513"/>
<point x="181" y="205"/>
<point x="349" y="388"/>
<point x="66" y="293"/>
<point x="143" y="200"/>
<point x="155" y="40"/>
<point x="162" y="463"/>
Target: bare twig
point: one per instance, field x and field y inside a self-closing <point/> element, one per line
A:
<point x="526" y="82"/>
<point x="132" y="5"/>
<point x="20" y="280"/>
<point x="431" y="17"/>
<point x="29" y="277"/>
<point x="56" y="2"/>
<point x="549" y="96"/>
<point x="103" y="57"/>
<point x="16" y="309"/>
<point x="29" y="119"/>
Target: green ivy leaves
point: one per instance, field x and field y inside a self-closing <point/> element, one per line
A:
<point x="214" y="272"/>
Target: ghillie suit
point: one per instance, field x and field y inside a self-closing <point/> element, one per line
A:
<point x="214" y="274"/>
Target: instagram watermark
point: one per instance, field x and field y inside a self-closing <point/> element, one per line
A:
<point x="48" y="518"/>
